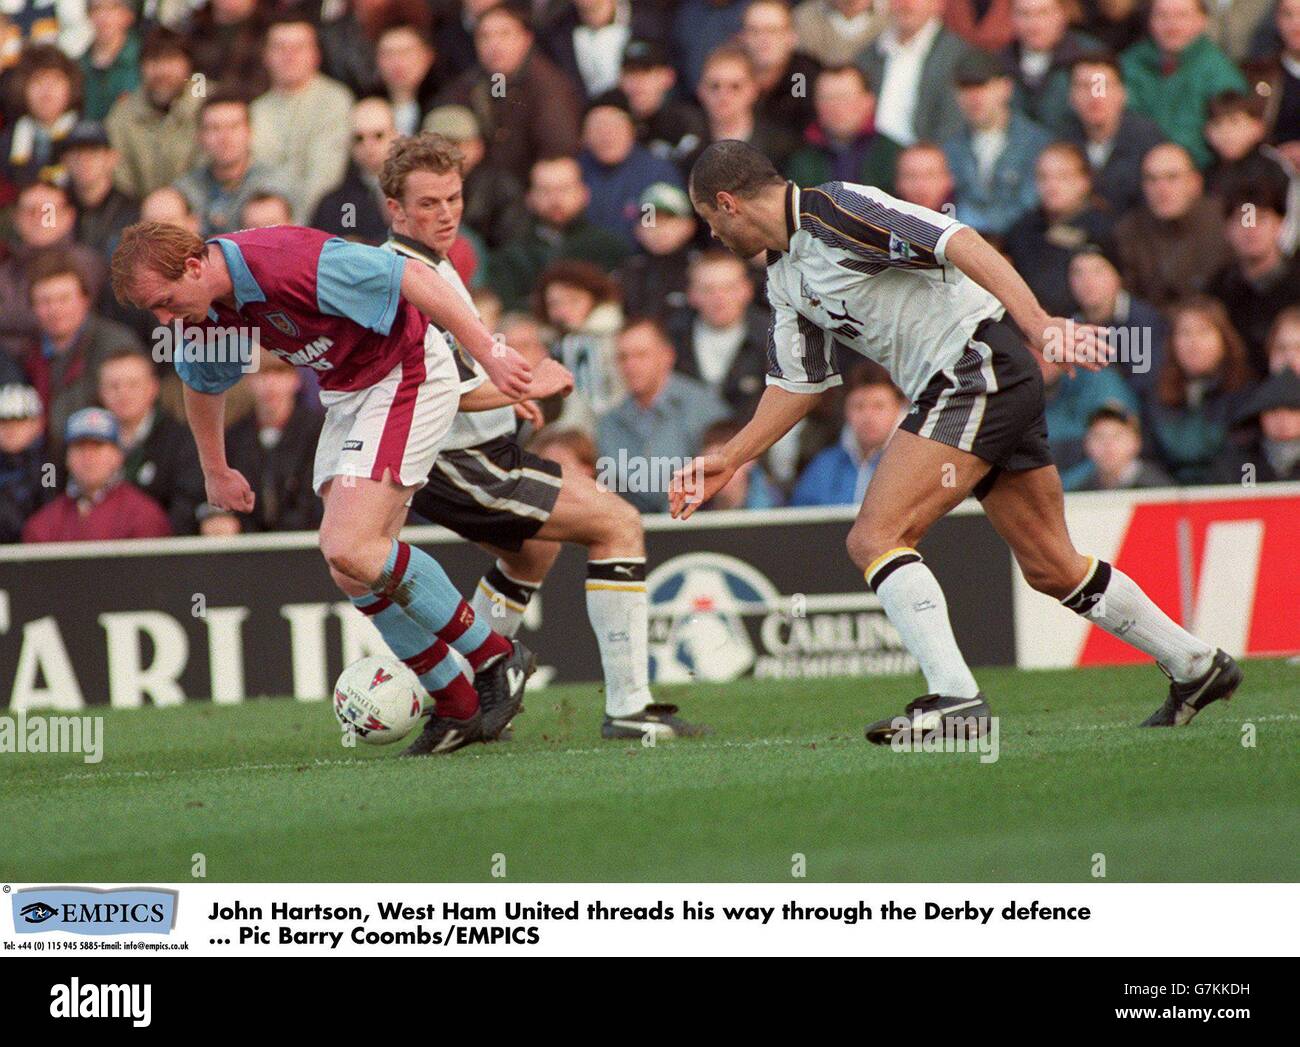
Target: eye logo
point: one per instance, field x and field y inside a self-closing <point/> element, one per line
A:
<point x="36" y="912"/>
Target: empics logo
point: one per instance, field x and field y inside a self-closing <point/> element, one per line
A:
<point x="75" y="1000"/>
<point x="37" y="912"/>
<point x="84" y="910"/>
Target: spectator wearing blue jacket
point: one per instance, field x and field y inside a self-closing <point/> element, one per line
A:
<point x="1072" y="402"/>
<point x="839" y="475"/>
<point x="616" y="169"/>
<point x="992" y="158"/>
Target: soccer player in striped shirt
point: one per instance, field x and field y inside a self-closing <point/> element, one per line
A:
<point x="519" y="507"/>
<point x="850" y="268"/>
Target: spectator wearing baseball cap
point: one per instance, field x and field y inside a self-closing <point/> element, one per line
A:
<point x="103" y="210"/>
<point x="22" y="459"/>
<point x="1269" y="424"/>
<point x="667" y="125"/>
<point x="654" y="279"/>
<point x="992" y="157"/>
<point x="1112" y="449"/>
<point x="615" y="168"/>
<point x="161" y="458"/>
<point x="494" y="198"/>
<point x="98" y="504"/>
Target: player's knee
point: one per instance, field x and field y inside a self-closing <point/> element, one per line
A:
<point x="866" y="541"/>
<point x="340" y="554"/>
<point x="623" y="524"/>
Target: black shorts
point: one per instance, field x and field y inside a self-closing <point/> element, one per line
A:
<point x="496" y="493"/>
<point x="990" y="403"/>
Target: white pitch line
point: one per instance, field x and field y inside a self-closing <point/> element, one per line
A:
<point x="757" y="743"/>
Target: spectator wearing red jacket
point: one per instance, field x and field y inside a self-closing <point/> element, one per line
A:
<point x="98" y="503"/>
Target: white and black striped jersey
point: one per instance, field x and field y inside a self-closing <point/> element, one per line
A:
<point x="867" y="271"/>
<point x="471" y="428"/>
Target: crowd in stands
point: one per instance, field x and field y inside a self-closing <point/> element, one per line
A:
<point x="1135" y="159"/>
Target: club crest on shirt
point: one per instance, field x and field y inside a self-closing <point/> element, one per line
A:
<point x="281" y="322"/>
<point x="899" y="249"/>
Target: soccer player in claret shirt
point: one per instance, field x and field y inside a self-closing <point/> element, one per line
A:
<point x="360" y="317"/>
<point x="850" y="268"/>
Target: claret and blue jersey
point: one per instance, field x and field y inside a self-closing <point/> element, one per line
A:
<point x="317" y="301"/>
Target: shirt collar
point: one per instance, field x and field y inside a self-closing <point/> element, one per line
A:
<point x="245" y="287"/>
<point x="414" y="249"/>
<point x="792" y="225"/>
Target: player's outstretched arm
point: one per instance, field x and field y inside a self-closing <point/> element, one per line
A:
<point x="1056" y="338"/>
<point x="226" y="487"/>
<point x="438" y="300"/>
<point x="549" y="378"/>
<point x="700" y="479"/>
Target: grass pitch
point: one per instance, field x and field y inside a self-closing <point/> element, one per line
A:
<point x="267" y="792"/>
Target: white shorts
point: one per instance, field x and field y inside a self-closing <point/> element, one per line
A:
<point x="396" y="425"/>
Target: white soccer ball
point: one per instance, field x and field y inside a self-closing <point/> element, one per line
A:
<point x="378" y="699"/>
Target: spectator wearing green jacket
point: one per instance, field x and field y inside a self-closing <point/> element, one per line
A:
<point x="112" y="64"/>
<point x="556" y="199"/>
<point x="1172" y="74"/>
<point x="842" y="144"/>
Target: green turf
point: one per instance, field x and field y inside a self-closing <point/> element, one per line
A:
<point x="266" y="792"/>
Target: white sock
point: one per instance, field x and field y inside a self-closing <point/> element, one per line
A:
<point x="915" y="604"/>
<point x="1111" y="599"/>
<point x="501" y="600"/>
<point x="618" y="608"/>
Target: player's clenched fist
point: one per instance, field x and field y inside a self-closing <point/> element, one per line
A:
<point x="227" y="489"/>
<point x="696" y="482"/>
<point x="508" y="371"/>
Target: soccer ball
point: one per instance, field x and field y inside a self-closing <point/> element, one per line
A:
<point x="378" y="699"/>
